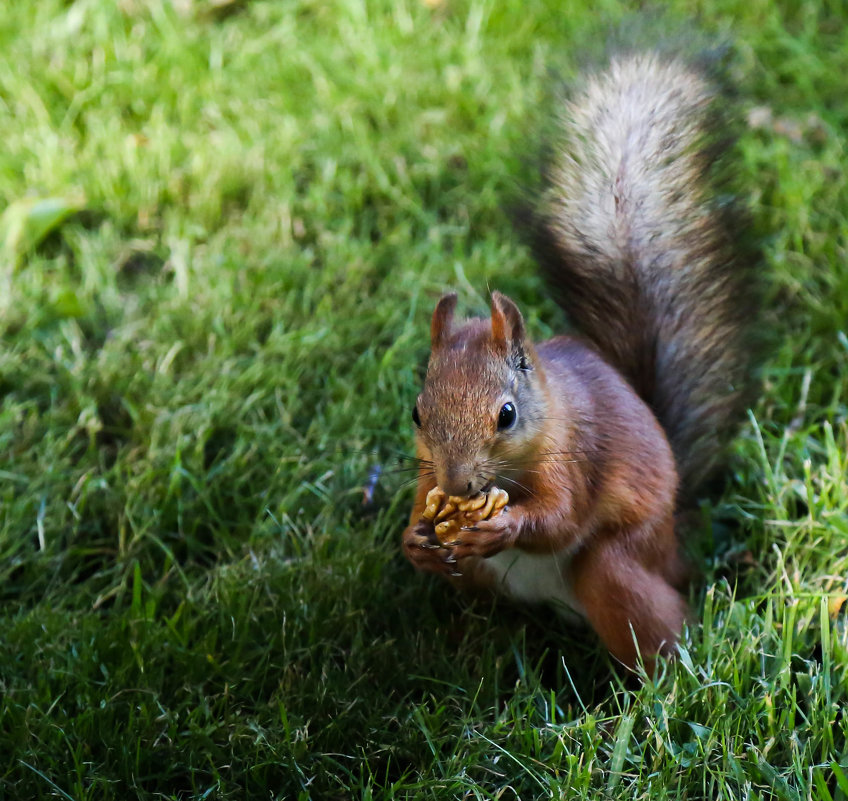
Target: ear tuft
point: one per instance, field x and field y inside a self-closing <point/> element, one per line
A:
<point x="440" y="327"/>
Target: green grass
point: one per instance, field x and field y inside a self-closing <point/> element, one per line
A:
<point x="218" y="324"/>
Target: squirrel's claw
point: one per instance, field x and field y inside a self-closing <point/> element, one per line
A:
<point x="423" y="549"/>
<point x="487" y="537"/>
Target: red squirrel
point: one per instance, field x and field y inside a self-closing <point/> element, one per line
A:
<point x="599" y="440"/>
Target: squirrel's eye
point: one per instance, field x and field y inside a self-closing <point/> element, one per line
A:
<point x="415" y="418"/>
<point x="506" y="419"/>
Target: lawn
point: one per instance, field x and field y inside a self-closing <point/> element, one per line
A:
<point x="223" y="229"/>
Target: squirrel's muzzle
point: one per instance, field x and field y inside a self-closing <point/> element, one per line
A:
<point x="459" y="479"/>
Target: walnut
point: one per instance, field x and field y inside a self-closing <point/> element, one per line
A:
<point x="450" y="513"/>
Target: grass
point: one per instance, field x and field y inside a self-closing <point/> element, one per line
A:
<point x="225" y="227"/>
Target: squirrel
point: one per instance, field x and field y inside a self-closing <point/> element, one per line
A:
<point x="600" y="439"/>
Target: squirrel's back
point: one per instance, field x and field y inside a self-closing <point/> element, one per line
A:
<point x="643" y="247"/>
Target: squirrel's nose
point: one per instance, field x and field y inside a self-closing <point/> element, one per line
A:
<point x="457" y="480"/>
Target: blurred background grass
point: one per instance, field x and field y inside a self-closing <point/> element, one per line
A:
<point x="224" y="226"/>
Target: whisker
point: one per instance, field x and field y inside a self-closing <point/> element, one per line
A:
<point x="519" y="470"/>
<point x="415" y="459"/>
<point x="519" y="485"/>
<point x="378" y="454"/>
<point x="570" y="452"/>
<point x="395" y="470"/>
<point x="410" y="481"/>
<point x="549" y="461"/>
<point x="503" y="464"/>
<point x="417" y="466"/>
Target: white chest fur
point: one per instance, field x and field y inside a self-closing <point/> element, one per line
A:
<point x="536" y="578"/>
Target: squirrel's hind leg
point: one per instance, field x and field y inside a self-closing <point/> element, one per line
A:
<point x="626" y="596"/>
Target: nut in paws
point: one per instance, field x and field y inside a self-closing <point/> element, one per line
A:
<point x="452" y="513"/>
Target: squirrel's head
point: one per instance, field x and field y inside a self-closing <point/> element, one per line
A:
<point x="479" y="416"/>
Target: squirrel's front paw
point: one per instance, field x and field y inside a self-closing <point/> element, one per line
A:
<point x="424" y="550"/>
<point x="487" y="537"/>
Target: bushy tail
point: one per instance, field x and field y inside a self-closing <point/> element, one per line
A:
<point x="645" y="251"/>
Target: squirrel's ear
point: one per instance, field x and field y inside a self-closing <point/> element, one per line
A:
<point x="507" y="325"/>
<point x="440" y="327"/>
